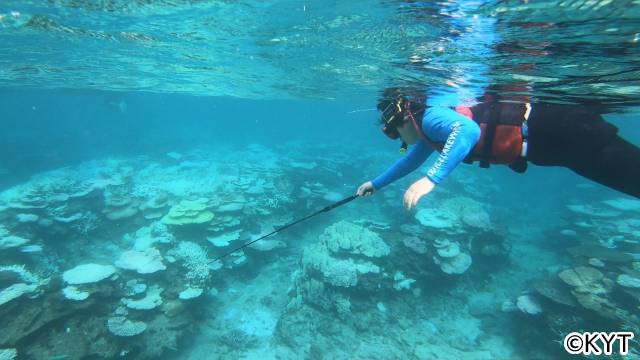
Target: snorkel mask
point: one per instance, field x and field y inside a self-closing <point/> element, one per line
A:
<point x="391" y="117"/>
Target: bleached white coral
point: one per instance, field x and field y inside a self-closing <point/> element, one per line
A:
<point x="437" y="218"/>
<point x="88" y="273"/>
<point x="340" y="273"/>
<point x="190" y="293"/>
<point x="12" y="241"/>
<point x="454" y="265"/>
<point x="148" y="261"/>
<point x="337" y="272"/>
<point x="224" y="239"/>
<point x="146" y="236"/>
<point x="400" y="282"/>
<point x="8" y="354"/>
<point x="194" y="260"/>
<point x="450" y="258"/>
<point x="73" y="293"/>
<point x="528" y="305"/>
<point x="344" y="236"/>
<point x="21" y="273"/>
<point x="120" y="326"/>
<point x="15" y="291"/>
<point x="151" y="301"/>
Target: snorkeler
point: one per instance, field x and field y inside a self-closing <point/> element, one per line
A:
<point x="494" y="132"/>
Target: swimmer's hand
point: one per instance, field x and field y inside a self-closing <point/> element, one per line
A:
<point x="365" y="189"/>
<point x="416" y="191"/>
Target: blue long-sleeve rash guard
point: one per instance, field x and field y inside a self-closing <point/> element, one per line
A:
<point x="440" y="124"/>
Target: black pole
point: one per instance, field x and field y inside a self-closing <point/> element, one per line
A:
<point x="325" y="209"/>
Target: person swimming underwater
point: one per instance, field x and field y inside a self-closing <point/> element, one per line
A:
<point x="494" y="132"/>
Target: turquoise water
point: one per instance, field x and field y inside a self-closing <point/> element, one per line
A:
<point x="142" y="140"/>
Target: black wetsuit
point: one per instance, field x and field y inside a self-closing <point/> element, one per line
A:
<point x="576" y="138"/>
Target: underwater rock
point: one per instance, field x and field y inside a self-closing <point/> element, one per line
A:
<point x="148" y="261"/>
<point x="22" y="322"/>
<point x="188" y="213"/>
<point x="88" y="274"/>
<point x="528" y="305"/>
<point x="120" y="326"/>
<point x="72" y="293"/>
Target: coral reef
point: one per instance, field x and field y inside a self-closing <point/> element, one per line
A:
<point x="114" y="259"/>
<point x="188" y="212"/>
<point x="148" y="261"/>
